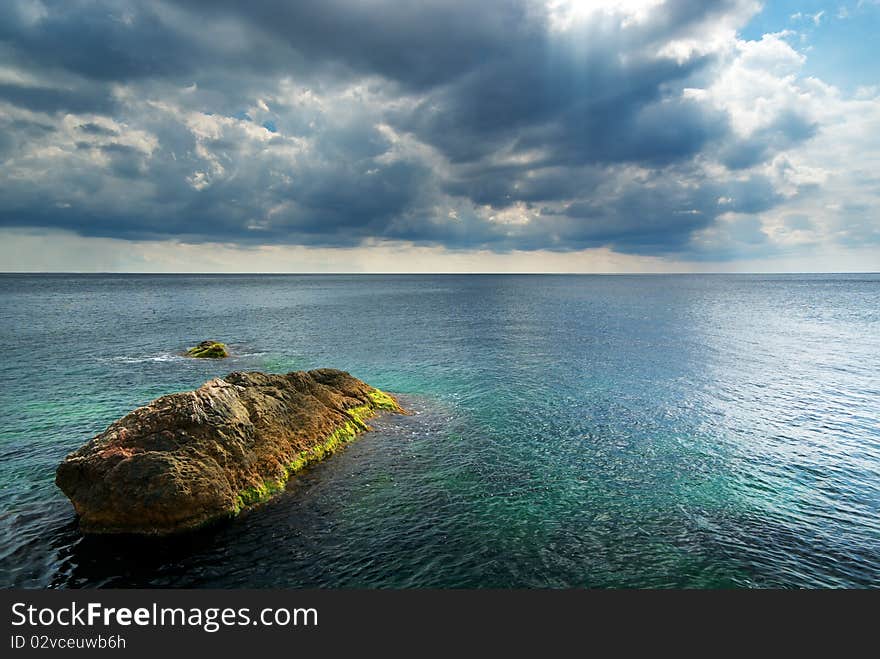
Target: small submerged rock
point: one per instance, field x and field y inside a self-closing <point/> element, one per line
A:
<point x="208" y="350"/>
<point x="190" y="458"/>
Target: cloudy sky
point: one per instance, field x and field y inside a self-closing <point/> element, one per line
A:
<point x="439" y="135"/>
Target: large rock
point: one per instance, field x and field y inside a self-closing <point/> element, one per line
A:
<point x="191" y="458"/>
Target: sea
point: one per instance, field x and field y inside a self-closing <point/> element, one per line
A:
<point x="681" y="431"/>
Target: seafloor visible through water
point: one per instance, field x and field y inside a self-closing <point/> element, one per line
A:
<point x="571" y="431"/>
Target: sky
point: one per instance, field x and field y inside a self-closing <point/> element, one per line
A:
<point x="439" y="136"/>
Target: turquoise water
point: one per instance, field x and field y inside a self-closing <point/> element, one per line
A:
<point x="626" y="431"/>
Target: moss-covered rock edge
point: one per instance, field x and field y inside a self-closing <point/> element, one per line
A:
<point x="336" y="440"/>
<point x="208" y="350"/>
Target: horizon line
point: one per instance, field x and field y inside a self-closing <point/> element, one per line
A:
<point x="409" y="274"/>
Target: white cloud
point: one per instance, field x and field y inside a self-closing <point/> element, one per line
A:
<point x="830" y="180"/>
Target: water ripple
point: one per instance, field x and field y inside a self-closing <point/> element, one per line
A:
<point x="566" y="431"/>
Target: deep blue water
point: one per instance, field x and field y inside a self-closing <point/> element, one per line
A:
<point x="622" y="431"/>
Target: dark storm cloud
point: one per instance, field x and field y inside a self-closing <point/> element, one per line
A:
<point x="455" y="123"/>
<point x="99" y="40"/>
<point x="97" y="129"/>
<point x="42" y="99"/>
<point x="419" y="44"/>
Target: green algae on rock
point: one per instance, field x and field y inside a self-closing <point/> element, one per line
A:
<point x="191" y="458"/>
<point x="208" y="350"/>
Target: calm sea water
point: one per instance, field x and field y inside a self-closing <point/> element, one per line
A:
<point x="626" y="431"/>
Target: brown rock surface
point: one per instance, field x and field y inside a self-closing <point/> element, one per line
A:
<point x="190" y="458"/>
